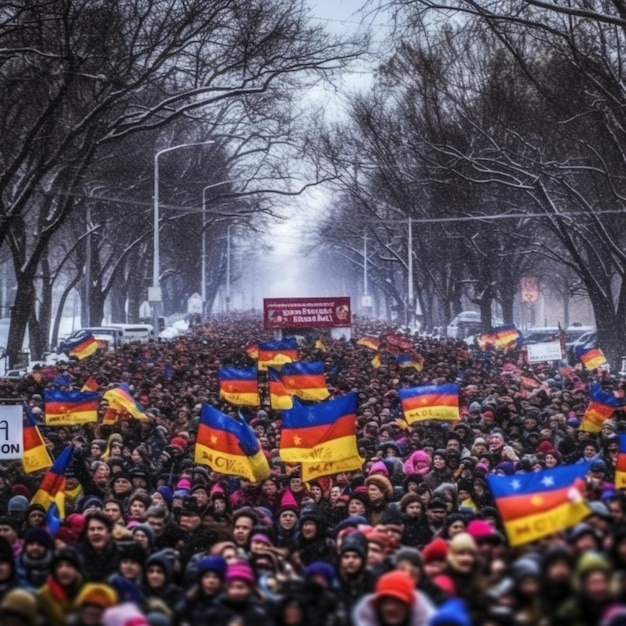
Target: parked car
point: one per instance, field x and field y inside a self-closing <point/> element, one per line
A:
<point x="541" y="335"/>
<point x="467" y="324"/>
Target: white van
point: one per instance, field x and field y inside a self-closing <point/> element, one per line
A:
<point x="135" y="332"/>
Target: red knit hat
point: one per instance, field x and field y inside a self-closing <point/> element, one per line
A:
<point x="436" y="550"/>
<point x="178" y="442"/>
<point x="396" y="584"/>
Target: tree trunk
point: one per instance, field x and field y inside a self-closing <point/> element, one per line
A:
<point x="20" y="314"/>
<point x="61" y="306"/>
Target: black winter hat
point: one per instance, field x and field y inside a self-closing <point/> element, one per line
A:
<point x="354" y="542"/>
<point x="310" y="514"/>
<point x="132" y="551"/>
<point x="69" y="554"/>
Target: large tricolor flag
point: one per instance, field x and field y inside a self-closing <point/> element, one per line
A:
<point x="52" y="486"/>
<point x="68" y="408"/>
<point x="280" y="399"/>
<point x="305" y="380"/>
<point x="277" y="352"/>
<point x="539" y="504"/>
<point x="83" y="345"/>
<point x="121" y="402"/>
<point x="229" y="446"/>
<point x="431" y="402"/>
<point x="591" y="358"/>
<point x="373" y="343"/>
<point x="602" y="405"/>
<point x="504" y="338"/>
<point x="320" y="432"/>
<point x="239" y="386"/>
<point x="620" y="468"/>
<point x="36" y="456"/>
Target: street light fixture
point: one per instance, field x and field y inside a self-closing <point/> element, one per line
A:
<point x="154" y="293"/>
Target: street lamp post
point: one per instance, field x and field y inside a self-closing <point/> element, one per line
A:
<point x="228" y="266"/>
<point x="410" y="304"/>
<point x="155" y="296"/>
<point x="204" y="250"/>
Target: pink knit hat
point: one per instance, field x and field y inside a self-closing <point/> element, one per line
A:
<point x="240" y="571"/>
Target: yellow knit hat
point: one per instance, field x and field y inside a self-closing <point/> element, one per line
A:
<point x="97" y="594"/>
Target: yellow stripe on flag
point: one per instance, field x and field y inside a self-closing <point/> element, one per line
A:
<point x="253" y="468"/>
<point x="333" y="450"/>
<point x="532" y="527"/>
<point x="310" y="471"/>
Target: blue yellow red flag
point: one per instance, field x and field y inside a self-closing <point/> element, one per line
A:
<point x="277" y="352"/>
<point x="91" y="384"/>
<point x="229" y="446"/>
<point x="504" y="338"/>
<point x="410" y="360"/>
<point x="373" y="343"/>
<point x="591" y="358"/>
<point x="52" y="486"/>
<point x="239" y="386"/>
<point x="320" y="432"/>
<point x="430" y="402"/>
<point x="36" y="456"/>
<point x="121" y="402"/>
<point x="68" y="408"/>
<point x="83" y="345"/>
<point x="279" y="398"/>
<point x="602" y="405"/>
<point x="539" y="504"/>
<point x="305" y="380"/>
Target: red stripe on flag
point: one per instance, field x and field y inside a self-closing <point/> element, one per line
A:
<point x="312" y="436"/>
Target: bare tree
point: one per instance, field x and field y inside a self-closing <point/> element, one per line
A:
<point x="78" y="78"/>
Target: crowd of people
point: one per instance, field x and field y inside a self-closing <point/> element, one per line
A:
<point x="412" y="539"/>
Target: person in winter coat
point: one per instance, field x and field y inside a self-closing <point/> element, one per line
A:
<point x="312" y="544"/>
<point x="354" y="579"/>
<point x="395" y="602"/>
<point x="239" y="605"/>
<point x="557" y="576"/>
<point x="440" y="472"/>
<point x="593" y="597"/>
<point x="100" y="552"/>
<point x="417" y="532"/>
<point x="33" y="564"/>
<point x="379" y="492"/>
<point x="158" y="580"/>
<point x="55" y="599"/>
<point x="463" y="576"/>
<point x="199" y="602"/>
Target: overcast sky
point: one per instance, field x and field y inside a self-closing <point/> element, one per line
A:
<point x="288" y="273"/>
